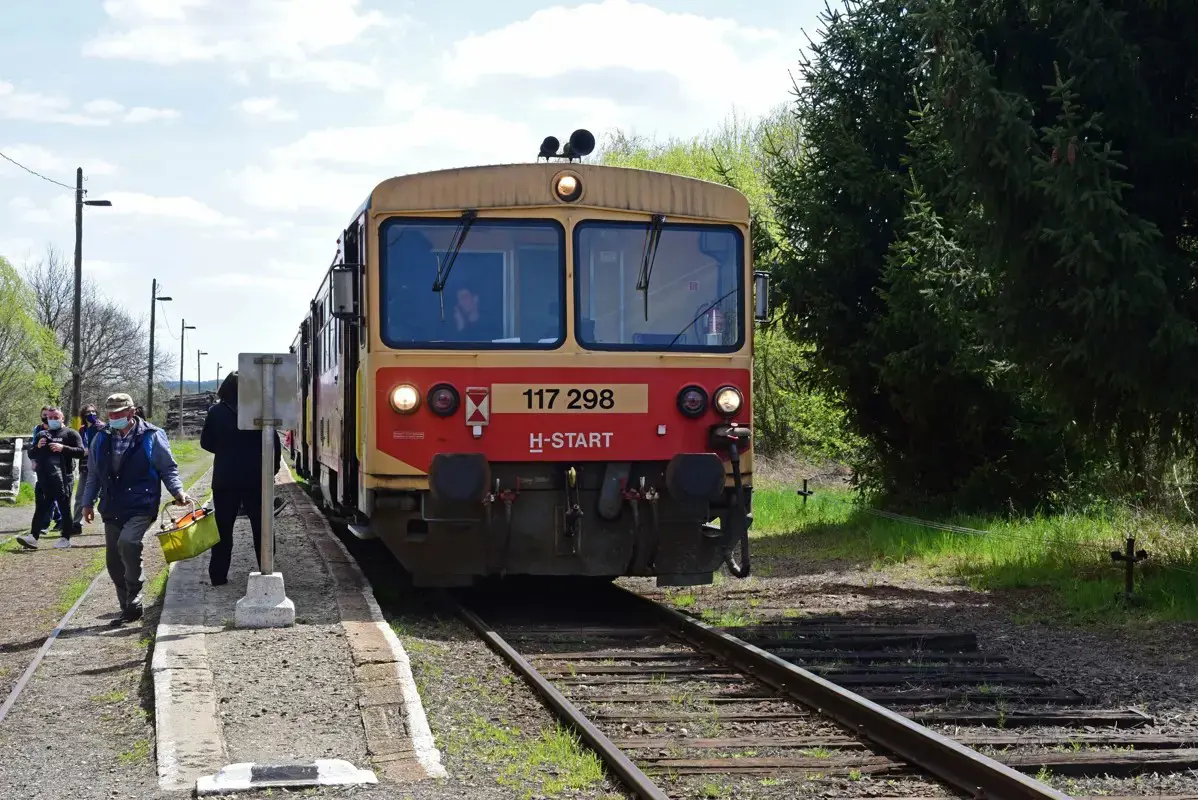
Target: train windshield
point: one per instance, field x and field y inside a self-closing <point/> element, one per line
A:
<point x="687" y="297"/>
<point x="505" y="289"/>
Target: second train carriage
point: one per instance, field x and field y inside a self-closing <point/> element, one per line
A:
<point x="538" y="369"/>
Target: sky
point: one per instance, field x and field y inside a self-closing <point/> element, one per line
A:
<point x="235" y="138"/>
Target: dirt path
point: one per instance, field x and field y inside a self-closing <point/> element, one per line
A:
<point x="84" y="726"/>
<point x="38" y="586"/>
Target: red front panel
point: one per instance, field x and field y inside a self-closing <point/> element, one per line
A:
<point x="553" y="414"/>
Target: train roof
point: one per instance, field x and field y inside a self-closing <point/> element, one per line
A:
<point x="508" y="185"/>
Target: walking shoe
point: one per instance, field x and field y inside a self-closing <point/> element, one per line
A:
<point x="131" y="614"/>
<point x="28" y="541"/>
<point x="62" y="544"/>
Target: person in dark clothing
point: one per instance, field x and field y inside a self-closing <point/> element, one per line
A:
<point x="88" y="429"/>
<point x="55" y="516"/>
<point x="236" y="477"/>
<point x="54" y="454"/>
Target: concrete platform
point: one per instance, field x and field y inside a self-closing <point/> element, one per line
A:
<point x="335" y="687"/>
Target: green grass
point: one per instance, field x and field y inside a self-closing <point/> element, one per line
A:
<point x="546" y="765"/>
<point x="78" y="585"/>
<point x="1064" y="557"/>
<point x="135" y="755"/>
<point x="187" y="452"/>
<point x="24" y="497"/>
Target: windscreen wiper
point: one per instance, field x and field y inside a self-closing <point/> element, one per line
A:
<point x="652" y="237"/>
<point x="451" y="255"/>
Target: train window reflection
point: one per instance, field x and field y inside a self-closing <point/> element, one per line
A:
<point x="695" y="289"/>
<point x="504" y="290"/>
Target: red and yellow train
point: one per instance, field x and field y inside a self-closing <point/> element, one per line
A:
<point x="538" y="369"/>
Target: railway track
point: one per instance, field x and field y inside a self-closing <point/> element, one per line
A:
<point x="657" y="693"/>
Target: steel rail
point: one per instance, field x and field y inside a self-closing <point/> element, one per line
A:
<point x="638" y="782"/>
<point x="958" y="766"/>
<point x="11" y="700"/>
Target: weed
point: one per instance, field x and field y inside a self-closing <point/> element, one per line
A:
<point x="854" y="774"/>
<point x="138" y="753"/>
<point x="550" y="763"/>
<point x="109" y="698"/>
<point x="683" y="601"/>
<point x="71" y="593"/>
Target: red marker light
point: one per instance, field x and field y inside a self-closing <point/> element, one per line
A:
<point x="692" y="401"/>
<point x="443" y="399"/>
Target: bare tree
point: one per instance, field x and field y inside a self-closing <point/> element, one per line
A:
<point x="114" y="344"/>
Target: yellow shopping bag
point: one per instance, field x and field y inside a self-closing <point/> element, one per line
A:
<point x="189" y="535"/>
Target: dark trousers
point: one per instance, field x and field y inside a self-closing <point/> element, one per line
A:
<point x="227" y="503"/>
<point x="51" y="492"/>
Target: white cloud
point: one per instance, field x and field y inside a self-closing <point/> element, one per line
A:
<point x="265" y="108"/>
<point x="28" y="212"/>
<point x="335" y="168"/>
<point x="36" y="107"/>
<point x="404" y="95"/>
<point x="145" y="114"/>
<point x="55" y="165"/>
<point x="183" y="209"/>
<point x="715" y="61"/>
<point x="338" y="75"/>
<point x="103" y="107"/>
<point x="288" y="35"/>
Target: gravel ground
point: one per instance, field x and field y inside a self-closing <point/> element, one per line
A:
<point x="83" y="728"/>
<point x="285" y="693"/>
<point x="1150" y="668"/>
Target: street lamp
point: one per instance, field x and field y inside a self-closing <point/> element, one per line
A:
<point x="154" y="300"/>
<point x="76" y="356"/>
<point x="199" y="381"/>
<point x="183" y="329"/>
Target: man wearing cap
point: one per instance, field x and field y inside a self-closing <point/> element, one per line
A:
<point x="128" y="463"/>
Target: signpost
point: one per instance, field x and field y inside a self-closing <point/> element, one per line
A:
<point x="266" y="401"/>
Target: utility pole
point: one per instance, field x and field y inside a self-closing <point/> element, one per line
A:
<point x="199" y="378"/>
<point x="218" y="378"/>
<point x="154" y="298"/>
<point x="183" y="329"/>
<point x="76" y="334"/>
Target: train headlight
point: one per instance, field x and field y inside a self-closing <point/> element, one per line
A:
<point x="692" y="401"/>
<point x="728" y="400"/>
<point x="443" y="399"/>
<point x="405" y="399"/>
<point x="567" y="187"/>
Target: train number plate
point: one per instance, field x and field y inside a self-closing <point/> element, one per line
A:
<point x="613" y="398"/>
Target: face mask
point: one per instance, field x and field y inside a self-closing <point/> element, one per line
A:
<point x="55" y="424"/>
<point x="90" y="419"/>
<point x="119" y="424"/>
<point x="43" y="419"/>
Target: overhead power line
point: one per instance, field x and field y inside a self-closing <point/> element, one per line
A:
<point x="35" y="173"/>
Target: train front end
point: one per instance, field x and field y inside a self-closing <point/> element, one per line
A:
<point x="559" y="380"/>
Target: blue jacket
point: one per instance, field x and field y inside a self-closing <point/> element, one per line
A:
<point x="134" y="487"/>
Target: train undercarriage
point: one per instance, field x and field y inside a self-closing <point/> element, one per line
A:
<point x="676" y="520"/>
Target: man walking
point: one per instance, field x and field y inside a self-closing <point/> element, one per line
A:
<point x="128" y="464"/>
<point x="37" y="492"/>
<point x="53" y="454"/>
<point x="88" y="429"/>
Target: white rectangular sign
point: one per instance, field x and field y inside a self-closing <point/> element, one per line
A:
<point x="250" y="413"/>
